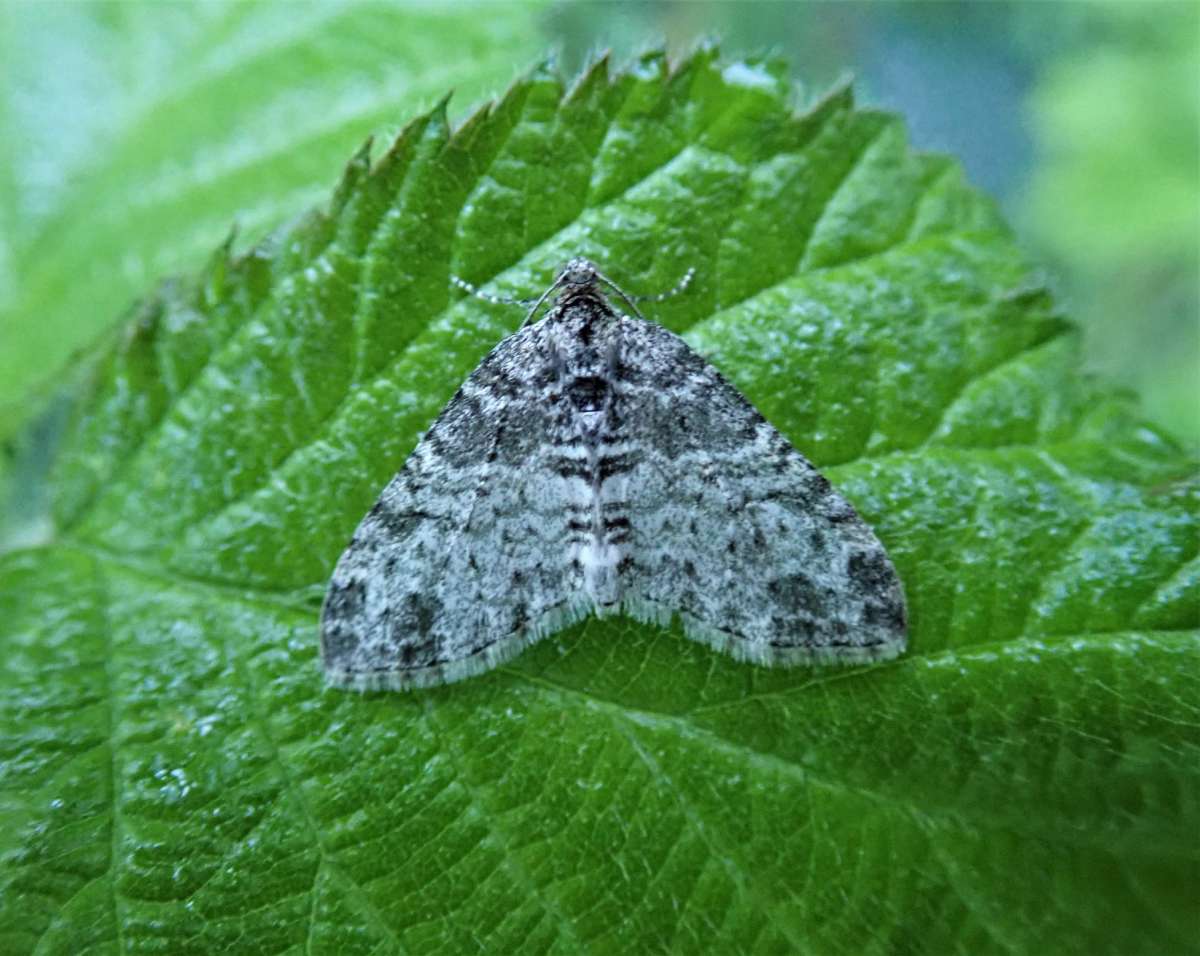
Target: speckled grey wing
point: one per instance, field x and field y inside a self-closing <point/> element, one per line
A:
<point x="735" y="532"/>
<point x="447" y="575"/>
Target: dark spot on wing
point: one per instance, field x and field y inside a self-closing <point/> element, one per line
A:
<point x="340" y="622"/>
<point x="415" y="617"/>
<point x="797" y="592"/>
<point x="816" y="541"/>
<point x="567" y="467"/>
<point x="870" y="571"/>
<point x="520" y="617"/>
<point x="397" y="524"/>
<point x="614" y="465"/>
<point x="588" y="393"/>
<point x="888" y="612"/>
<point x="345" y="599"/>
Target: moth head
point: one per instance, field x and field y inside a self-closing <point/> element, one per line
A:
<point x="577" y="274"/>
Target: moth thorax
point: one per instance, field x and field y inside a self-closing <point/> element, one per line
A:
<point x="589" y="393"/>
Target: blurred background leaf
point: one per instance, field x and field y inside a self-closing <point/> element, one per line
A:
<point x="1112" y="201"/>
<point x="137" y="134"/>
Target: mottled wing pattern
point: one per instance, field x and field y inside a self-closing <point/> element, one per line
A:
<point x="733" y="530"/>
<point x="447" y="575"/>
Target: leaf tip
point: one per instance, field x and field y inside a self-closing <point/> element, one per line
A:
<point x="544" y="70"/>
<point x="594" y="74"/>
<point x="650" y="64"/>
<point x="438" y="112"/>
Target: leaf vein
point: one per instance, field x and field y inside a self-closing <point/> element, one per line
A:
<point x="113" y="725"/>
<point x="491" y="822"/>
<point x="723" y="855"/>
<point x="325" y="856"/>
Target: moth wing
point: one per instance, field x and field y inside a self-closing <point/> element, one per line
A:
<point x="735" y="531"/>
<point x="450" y="574"/>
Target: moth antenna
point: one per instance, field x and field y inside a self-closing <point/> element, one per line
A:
<point x="543" y="297"/>
<point x="673" y="291"/>
<point x="629" y="300"/>
<point x="486" y="296"/>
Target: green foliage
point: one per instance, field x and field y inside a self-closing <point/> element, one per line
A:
<point x="195" y="116"/>
<point x="1115" y="198"/>
<point x="174" y="776"/>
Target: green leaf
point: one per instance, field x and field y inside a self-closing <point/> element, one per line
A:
<point x="1025" y="779"/>
<point x="195" y="117"/>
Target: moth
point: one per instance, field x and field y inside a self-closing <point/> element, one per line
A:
<point x="593" y="463"/>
